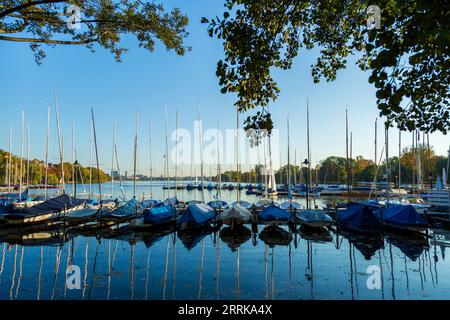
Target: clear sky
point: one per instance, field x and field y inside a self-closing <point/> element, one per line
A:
<point x="148" y="82"/>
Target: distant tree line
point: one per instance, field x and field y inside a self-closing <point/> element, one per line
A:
<point x="36" y="172"/>
<point x="418" y="162"/>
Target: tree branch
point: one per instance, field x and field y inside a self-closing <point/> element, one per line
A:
<point x="18" y="29"/>
<point x="6" y="12"/>
<point x="34" y="40"/>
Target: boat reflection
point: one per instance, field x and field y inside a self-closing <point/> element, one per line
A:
<point x="235" y="237"/>
<point x="33" y="238"/>
<point x="367" y="245"/>
<point x="275" y="236"/>
<point x="318" y="235"/>
<point x="412" y="245"/>
<point x="192" y="237"/>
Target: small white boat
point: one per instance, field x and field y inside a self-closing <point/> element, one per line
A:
<point x="82" y="215"/>
<point x="236" y="214"/>
<point x="314" y="218"/>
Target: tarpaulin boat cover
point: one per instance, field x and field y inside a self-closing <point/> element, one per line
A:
<point x="218" y="204"/>
<point x="197" y="214"/>
<point x="244" y="204"/>
<point x="236" y="212"/>
<point x="359" y="217"/>
<point x="403" y="215"/>
<point x="290" y="205"/>
<point x="170" y="202"/>
<point x="274" y="213"/>
<point x="130" y="208"/>
<point x="58" y="204"/>
<point x="150" y="203"/>
<point x="160" y="215"/>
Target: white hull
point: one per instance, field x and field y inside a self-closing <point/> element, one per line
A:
<point x="20" y="206"/>
<point x="33" y="219"/>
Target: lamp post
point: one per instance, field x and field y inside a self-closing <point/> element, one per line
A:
<point x="306" y="165"/>
<point x="75" y="166"/>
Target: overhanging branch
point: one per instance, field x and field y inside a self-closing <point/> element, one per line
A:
<point x="49" y="41"/>
<point x="6" y="12"/>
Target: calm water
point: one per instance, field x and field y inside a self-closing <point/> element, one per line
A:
<point x="254" y="265"/>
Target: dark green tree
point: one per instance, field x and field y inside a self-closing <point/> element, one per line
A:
<point x="102" y="22"/>
<point x="408" y="56"/>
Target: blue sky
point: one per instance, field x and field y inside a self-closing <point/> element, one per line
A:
<point x="149" y="82"/>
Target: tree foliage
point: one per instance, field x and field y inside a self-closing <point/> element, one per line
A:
<point x="102" y="22"/>
<point x="408" y="57"/>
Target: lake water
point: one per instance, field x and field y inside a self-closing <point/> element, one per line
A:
<point x="255" y="265"/>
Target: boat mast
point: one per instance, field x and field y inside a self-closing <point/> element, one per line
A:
<point x="60" y="145"/>
<point x="200" y="136"/>
<point x="376" y="134"/>
<point x="273" y="183"/>
<point x="21" y="157"/>
<point x="151" y="160"/>
<point x="309" y="154"/>
<point x="347" y="155"/>
<point x="238" y="157"/>
<point x="10" y="160"/>
<point x="96" y="156"/>
<point x="387" y="163"/>
<point x="46" y="152"/>
<point x="135" y="156"/>
<point x="219" y="173"/>
<point x="91" y="142"/>
<point x="176" y="156"/>
<point x="289" y="159"/>
<point x="28" y="154"/>
<point x="399" y="158"/>
<point x="167" y="158"/>
<point x="73" y="159"/>
<point x="351" y="159"/>
<point x="113" y="158"/>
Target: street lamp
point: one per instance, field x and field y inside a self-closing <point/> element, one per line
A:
<point x="306" y="165"/>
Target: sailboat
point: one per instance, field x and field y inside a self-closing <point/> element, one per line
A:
<point x="196" y="216"/>
<point x="289" y="205"/>
<point x="132" y="208"/>
<point x="312" y="218"/>
<point x="49" y="210"/>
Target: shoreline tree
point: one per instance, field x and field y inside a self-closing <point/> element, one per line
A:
<point x="91" y="23"/>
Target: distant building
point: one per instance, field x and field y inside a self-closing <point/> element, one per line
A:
<point x="126" y="175"/>
<point x="115" y="174"/>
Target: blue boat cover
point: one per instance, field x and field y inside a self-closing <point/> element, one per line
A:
<point x="160" y="215"/>
<point x="359" y="217"/>
<point x="274" y="213"/>
<point x="198" y="214"/>
<point x="58" y="204"/>
<point x="128" y="209"/>
<point x="169" y="202"/>
<point x="150" y="203"/>
<point x="402" y="215"/>
<point x="217" y="204"/>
